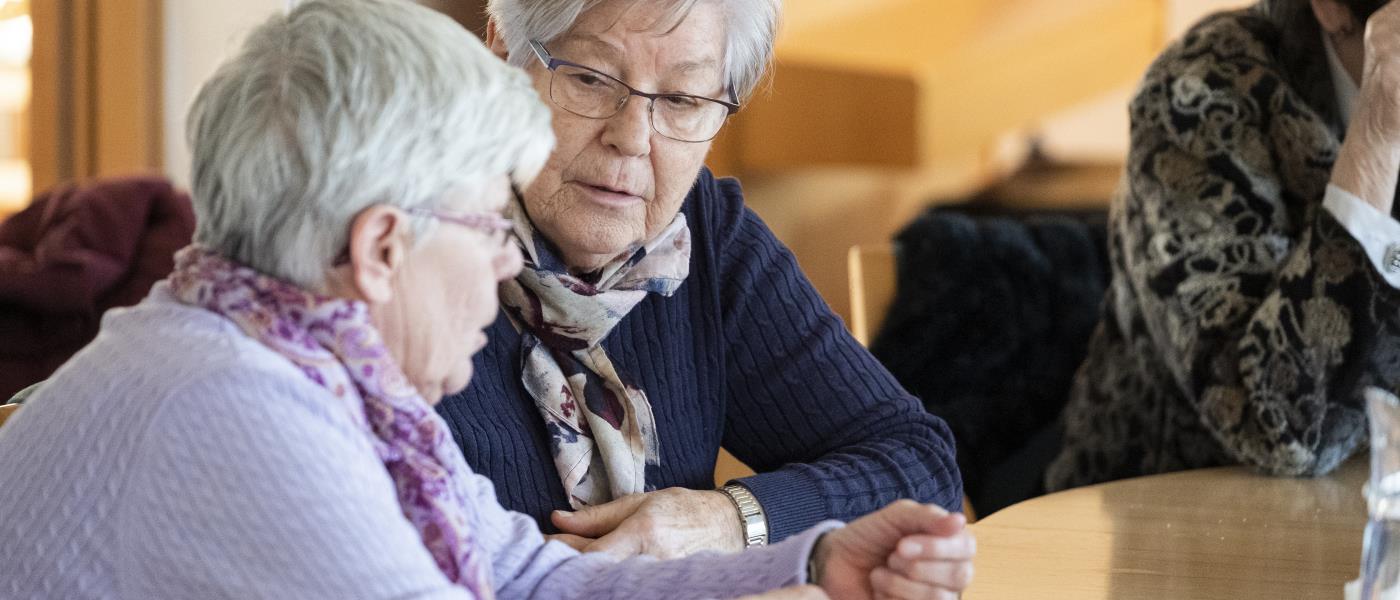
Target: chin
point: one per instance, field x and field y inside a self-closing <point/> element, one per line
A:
<point x="602" y="233"/>
<point x="605" y="243"/>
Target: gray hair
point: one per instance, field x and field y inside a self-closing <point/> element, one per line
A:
<point x="751" y="28"/>
<point x="343" y="104"/>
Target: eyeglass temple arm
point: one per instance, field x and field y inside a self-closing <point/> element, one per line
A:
<point x="542" y="54"/>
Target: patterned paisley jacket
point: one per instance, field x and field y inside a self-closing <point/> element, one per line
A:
<point x="1242" y="322"/>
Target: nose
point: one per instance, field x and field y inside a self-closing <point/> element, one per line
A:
<point x="508" y="263"/>
<point x="629" y="131"/>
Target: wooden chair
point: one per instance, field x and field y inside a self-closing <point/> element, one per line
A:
<point x="873" y="276"/>
<point x="871" y="272"/>
<point x="8" y="408"/>
<point x="7" y="411"/>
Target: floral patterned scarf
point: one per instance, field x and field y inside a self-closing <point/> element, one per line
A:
<point x="603" y="444"/>
<point x="333" y="342"/>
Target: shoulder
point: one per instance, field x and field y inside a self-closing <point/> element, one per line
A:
<point x="1221" y="74"/>
<point x="721" y="222"/>
<point x="714" y="204"/>
<point x="176" y="362"/>
<point x="1223" y="48"/>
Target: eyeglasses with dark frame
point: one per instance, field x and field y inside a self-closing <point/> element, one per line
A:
<point x="593" y="94"/>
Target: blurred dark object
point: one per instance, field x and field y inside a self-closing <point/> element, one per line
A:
<point x="71" y="255"/>
<point x="990" y="320"/>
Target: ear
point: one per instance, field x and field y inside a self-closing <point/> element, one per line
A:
<point x="494" y="42"/>
<point x="1334" y="17"/>
<point x="379" y="240"/>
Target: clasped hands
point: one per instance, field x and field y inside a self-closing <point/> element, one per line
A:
<point x="906" y="550"/>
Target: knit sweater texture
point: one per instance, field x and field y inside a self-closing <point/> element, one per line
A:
<point x="175" y="457"/>
<point x="746" y="355"/>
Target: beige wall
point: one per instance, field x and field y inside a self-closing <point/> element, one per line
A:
<point x="199" y="34"/>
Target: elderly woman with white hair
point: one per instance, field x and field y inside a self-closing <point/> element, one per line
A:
<point x="657" y="319"/>
<point x="260" y="425"/>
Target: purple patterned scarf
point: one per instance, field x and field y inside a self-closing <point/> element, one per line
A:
<point x="602" y="445"/>
<point x="333" y="342"/>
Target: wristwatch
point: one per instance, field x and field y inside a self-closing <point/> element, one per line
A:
<point x="751" y="515"/>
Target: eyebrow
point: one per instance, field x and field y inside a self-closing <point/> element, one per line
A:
<point x="614" y="52"/>
<point x="691" y="66"/>
<point x="610" y="50"/>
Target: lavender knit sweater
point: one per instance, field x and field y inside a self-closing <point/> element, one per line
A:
<point x="176" y="458"/>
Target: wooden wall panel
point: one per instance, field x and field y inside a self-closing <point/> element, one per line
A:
<point x="127" y="82"/>
<point x="933" y="86"/>
<point x="48" y="105"/>
<point x="96" y="105"/>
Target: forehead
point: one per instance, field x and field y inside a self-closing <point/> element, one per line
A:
<point x="644" y="33"/>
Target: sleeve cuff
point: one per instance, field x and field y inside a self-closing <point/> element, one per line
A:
<point x="791" y="501"/>
<point x="1377" y="232"/>
<point x="807" y="541"/>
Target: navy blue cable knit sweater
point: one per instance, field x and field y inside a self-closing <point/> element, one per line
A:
<point x="744" y="355"/>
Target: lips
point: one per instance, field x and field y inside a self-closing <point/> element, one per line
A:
<point x="612" y="189"/>
<point x="607" y="196"/>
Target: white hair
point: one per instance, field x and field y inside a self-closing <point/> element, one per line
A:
<point x="343" y="104"/>
<point x="751" y="26"/>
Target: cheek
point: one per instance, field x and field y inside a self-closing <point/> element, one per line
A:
<point x="542" y="198"/>
<point x="474" y="299"/>
<point x="573" y="135"/>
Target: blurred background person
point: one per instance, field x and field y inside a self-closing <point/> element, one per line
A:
<point x="1254" y="249"/>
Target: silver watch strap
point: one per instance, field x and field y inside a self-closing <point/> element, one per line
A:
<point x="751" y="516"/>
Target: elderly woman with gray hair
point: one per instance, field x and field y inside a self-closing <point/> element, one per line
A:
<point x="657" y="319"/>
<point x="261" y="426"/>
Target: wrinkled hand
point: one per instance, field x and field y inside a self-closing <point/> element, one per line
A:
<point x="669" y="523"/>
<point x="1379" y="102"/>
<point x="906" y="550"/>
<point x="1370" y="155"/>
<point x="797" y="592"/>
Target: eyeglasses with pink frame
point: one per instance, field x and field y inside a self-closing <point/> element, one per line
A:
<point x="488" y="223"/>
<point x="485" y="222"/>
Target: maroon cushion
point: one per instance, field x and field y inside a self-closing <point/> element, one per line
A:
<point x="75" y="252"/>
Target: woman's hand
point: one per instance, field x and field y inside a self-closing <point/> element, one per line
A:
<point x="906" y="550"/>
<point x="669" y="523"/>
<point x="1369" y="160"/>
<point x="1379" y="99"/>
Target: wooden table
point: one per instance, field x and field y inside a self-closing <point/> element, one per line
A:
<point x="1213" y="533"/>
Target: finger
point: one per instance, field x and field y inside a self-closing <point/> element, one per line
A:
<point x="949" y="574"/>
<point x="959" y="546"/>
<point x="888" y="584"/>
<point x="618" y="543"/>
<point x="597" y="521"/>
<point x="570" y="540"/>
